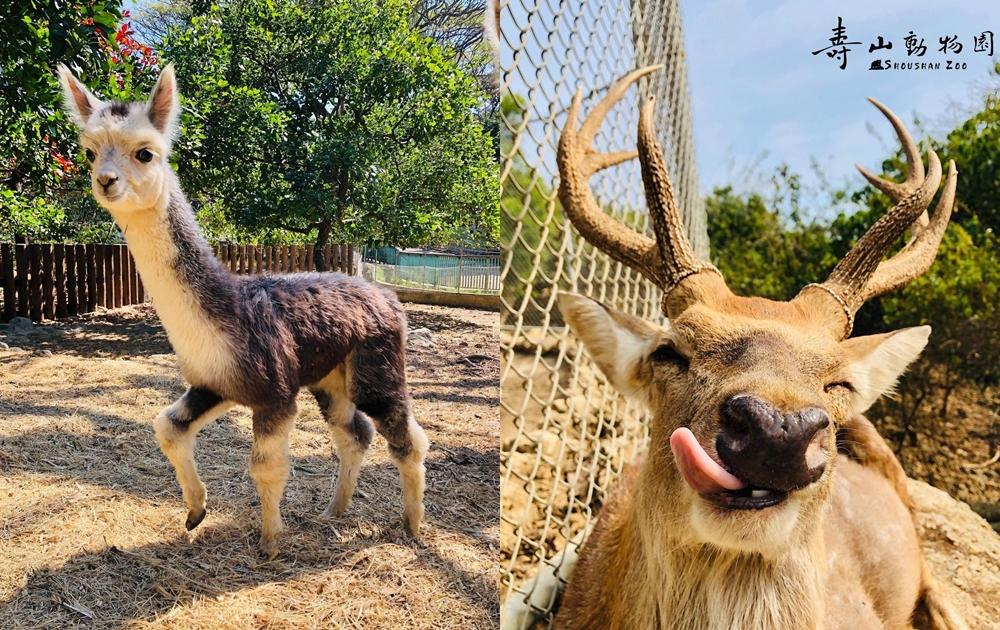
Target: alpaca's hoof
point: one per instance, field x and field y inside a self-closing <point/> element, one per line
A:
<point x="337" y="508"/>
<point x="412" y="522"/>
<point x="194" y="519"/>
<point x="268" y="547"/>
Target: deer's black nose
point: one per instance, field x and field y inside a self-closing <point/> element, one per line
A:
<point x="768" y="447"/>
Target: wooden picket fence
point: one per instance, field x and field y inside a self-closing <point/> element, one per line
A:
<point x="52" y="281"/>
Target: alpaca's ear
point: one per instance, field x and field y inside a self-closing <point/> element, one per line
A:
<point x="164" y="104"/>
<point x="77" y="99"/>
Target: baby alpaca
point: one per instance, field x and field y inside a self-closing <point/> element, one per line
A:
<point x="252" y="341"/>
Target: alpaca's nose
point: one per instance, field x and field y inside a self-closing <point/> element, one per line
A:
<point x="106" y="179"/>
<point x="769" y="447"/>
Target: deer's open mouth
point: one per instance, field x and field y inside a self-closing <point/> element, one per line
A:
<point x="748" y="498"/>
<point x="713" y="482"/>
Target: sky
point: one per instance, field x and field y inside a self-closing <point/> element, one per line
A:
<point x="759" y="98"/>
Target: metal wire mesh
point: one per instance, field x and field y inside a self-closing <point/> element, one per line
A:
<point x="565" y="434"/>
<point x="433" y="270"/>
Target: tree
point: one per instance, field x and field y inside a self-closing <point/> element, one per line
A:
<point x="762" y="253"/>
<point x="332" y="120"/>
<point x="43" y="187"/>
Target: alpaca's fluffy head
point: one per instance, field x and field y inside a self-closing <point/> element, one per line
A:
<point x="127" y="144"/>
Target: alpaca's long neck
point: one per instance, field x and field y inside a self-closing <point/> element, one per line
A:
<point x="193" y="294"/>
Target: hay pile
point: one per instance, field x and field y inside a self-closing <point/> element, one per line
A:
<point x="91" y="519"/>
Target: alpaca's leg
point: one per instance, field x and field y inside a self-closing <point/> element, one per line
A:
<point x="352" y="434"/>
<point x="378" y="386"/>
<point x="176" y="428"/>
<point x="269" y="468"/>
<point x="408" y="446"/>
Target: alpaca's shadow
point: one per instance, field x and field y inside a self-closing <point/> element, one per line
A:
<point x="133" y="332"/>
<point x="117" y="586"/>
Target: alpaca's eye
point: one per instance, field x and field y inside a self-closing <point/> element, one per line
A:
<point x="90" y="155"/>
<point x="143" y="155"/>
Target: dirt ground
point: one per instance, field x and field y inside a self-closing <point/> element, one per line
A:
<point x="91" y="518"/>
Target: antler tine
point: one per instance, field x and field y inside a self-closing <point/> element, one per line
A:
<point x="667" y="260"/>
<point x="861" y="274"/>
<point x="857" y="267"/>
<point x="916" y="257"/>
<point x="577" y="161"/>
<point x="675" y="258"/>
<point x="596" y="116"/>
<point x="914" y="166"/>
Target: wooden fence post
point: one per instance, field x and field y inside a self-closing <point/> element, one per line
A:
<point x="35" y="282"/>
<point x="21" y="280"/>
<point x="99" y="257"/>
<point x="59" y="259"/>
<point x="47" y="282"/>
<point x="71" y="281"/>
<point x="134" y="279"/>
<point x="126" y="277"/>
<point x="7" y="271"/>
<point x="90" y="259"/>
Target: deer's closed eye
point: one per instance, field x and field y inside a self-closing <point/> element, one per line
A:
<point x="843" y="385"/>
<point x="666" y="353"/>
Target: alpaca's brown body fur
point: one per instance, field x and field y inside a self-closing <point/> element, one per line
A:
<point x="253" y="341"/>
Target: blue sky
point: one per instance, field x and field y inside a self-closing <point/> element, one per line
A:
<point x="760" y="98"/>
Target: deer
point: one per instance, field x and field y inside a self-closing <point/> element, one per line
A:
<point x="766" y="499"/>
<point x="256" y="340"/>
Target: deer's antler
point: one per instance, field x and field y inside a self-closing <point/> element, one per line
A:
<point x="668" y="260"/>
<point x="862" y="274"/>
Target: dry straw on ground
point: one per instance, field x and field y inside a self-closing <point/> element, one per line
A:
<point x="91" y="519"/>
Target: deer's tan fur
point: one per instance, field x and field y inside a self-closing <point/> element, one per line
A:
<point x="744" y="514"/>
<point x="841" y="553"/>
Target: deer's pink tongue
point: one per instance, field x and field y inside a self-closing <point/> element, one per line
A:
<point x="701" y="472"/>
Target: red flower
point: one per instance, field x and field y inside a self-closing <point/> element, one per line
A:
<point x="66" y="165"/>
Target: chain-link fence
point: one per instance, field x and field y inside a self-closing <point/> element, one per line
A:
<point x="459" y="272"/>
<point x="565" y="434"/>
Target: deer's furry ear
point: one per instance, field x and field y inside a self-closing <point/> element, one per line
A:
<point x="617" y="342"/>
<point x="877" y="361"/>
<point x="164" y="103"/>
<point x="77" y="99"/>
